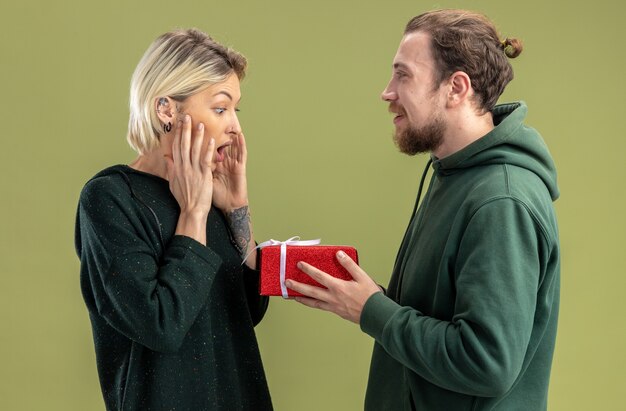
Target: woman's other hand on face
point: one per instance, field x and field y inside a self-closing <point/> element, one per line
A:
<point x="230" y="187"/>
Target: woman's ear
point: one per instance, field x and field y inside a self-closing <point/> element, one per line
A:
<point x="460" y="88"/>
<point x="164" y="109"/>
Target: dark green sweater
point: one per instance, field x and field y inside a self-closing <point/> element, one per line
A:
<point x="470" y="316"/>
<point x="173" y="320"/>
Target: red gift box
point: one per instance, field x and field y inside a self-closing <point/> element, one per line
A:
<point x="322" y="257"/>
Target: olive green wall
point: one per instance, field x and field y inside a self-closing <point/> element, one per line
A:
<point x="322" y="164"/>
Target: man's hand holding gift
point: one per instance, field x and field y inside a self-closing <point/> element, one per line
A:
<point x="344" y="298"/>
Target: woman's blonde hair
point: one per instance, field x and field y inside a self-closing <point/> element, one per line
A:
<point x="176" y="65"/>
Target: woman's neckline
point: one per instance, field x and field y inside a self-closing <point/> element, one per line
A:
<point x="144" y="173"/>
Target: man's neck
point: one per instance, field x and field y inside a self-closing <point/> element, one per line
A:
<point x="463" y="130"/>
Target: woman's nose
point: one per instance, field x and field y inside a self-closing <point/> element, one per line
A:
<point x="235" y="127"/>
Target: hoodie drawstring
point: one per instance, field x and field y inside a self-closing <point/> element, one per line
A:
<point x="419" y="192"/>
<point x="417" y="201"/>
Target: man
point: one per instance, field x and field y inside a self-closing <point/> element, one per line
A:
<point x="469" y="319"/>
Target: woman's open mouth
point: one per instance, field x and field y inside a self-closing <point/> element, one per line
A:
<point x="220" y="154"/>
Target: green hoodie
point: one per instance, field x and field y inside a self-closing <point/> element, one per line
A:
<point x="470" y="316"/>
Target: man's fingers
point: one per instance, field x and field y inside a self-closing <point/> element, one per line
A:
<point x="313" y="303"/>
<point x="312" y="291"/>
<point x="318" y="275"/>
<point x="350" y="265"/>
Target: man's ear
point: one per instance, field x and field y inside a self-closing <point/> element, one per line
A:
<point x="164" y="107"/>
<point x="460" y="88"/>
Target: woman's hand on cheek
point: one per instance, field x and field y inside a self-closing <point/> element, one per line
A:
<point x="230" y="190"/>
<point x="189" y="170"/>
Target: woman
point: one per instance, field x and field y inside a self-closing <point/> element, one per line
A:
<point x="161" y="241"/>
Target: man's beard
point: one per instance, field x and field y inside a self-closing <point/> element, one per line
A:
<point x="427" y="138"/>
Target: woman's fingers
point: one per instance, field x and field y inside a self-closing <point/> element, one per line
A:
<point x="196" y="150"/>
<point x="237" y="150"/>
<point x="242" y="148"/>
<point x="185" y="142"/>
<point x="208" y="156"/>
<point x="169" y="165"/>
<point x="188" y="151"/>
<point x="176" y="154"/>
<point x="189" y="168"/>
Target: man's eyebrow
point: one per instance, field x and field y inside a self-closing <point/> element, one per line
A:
<point x="400" y="65"/>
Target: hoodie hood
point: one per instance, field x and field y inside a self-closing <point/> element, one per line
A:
<point x="510" y="142"/>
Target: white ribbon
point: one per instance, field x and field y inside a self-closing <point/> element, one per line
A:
<point x="283" y="255"/>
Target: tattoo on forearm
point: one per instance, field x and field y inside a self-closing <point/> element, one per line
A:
<point x="239" y="221"/>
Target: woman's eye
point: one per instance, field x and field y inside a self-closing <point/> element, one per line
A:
<point x="220" y="110"/>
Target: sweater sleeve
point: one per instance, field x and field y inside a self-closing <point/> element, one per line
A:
<point x="481" y="350"/>
<point x="151" y="297"/>
<point x="257" y="303"/>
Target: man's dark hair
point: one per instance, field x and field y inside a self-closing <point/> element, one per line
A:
<point x="467" y="41"/>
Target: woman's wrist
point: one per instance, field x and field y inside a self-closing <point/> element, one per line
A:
<point x="192" y="224"/>
<point x="236" y="205"/>
<point x="241" y="228"/>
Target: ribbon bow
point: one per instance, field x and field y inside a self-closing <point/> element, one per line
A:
<point x="283" y="255"/>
